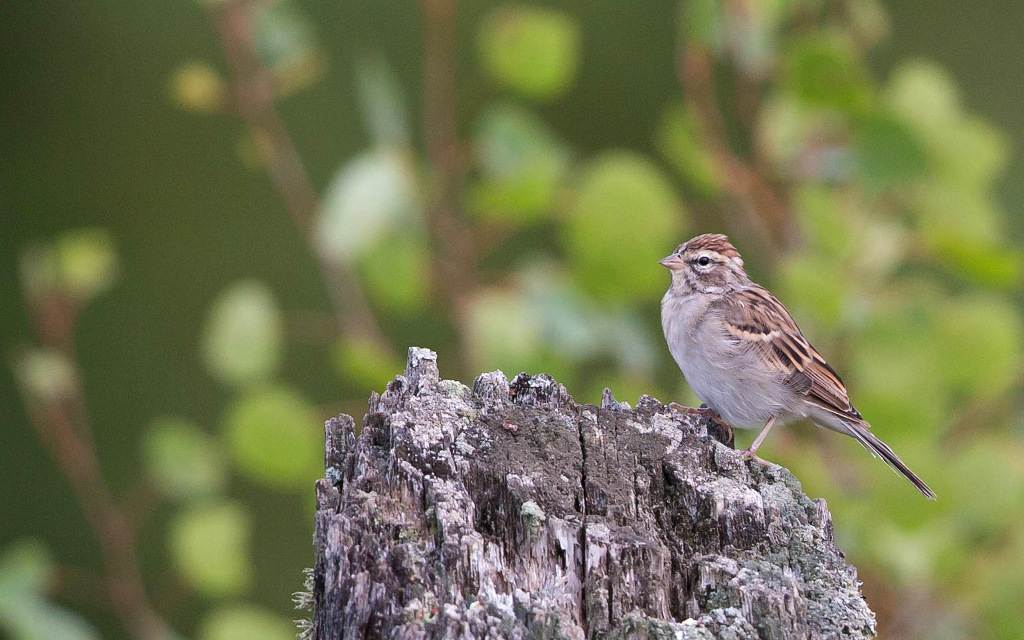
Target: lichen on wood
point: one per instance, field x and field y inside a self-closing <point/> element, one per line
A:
<point x="509" y="511"/>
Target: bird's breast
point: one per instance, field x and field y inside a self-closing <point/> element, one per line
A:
<point x="726" y="379"/>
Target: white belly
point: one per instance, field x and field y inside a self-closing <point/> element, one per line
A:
<point x="724" y="378"/>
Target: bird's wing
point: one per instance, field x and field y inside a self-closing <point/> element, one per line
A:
<point x="755" y="320"/>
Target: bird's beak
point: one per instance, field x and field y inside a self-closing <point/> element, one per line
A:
<point x="672" y="262"/>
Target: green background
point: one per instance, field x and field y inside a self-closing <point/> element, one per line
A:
<point x="91" y="137"/>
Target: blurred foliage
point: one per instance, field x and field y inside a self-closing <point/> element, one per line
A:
<point x="242" y="341"/>
<point x="533" y="51"/>
<point x="26" y="571"/>
<point x="210" y="546"/>
<point x="890" y="249"/>
<point x="183" y="461"/>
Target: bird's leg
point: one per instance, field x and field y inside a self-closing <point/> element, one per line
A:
<point x="748" y="454"/>
<point x="707" y="412"/>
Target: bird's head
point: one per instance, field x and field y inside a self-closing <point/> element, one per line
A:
<point x="706" y="264"/>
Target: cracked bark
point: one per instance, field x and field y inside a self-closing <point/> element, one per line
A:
<point x="509" y="511"/>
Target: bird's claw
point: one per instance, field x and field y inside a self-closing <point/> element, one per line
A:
<point x="747" y="454"/>
<point x="710" y="413"/>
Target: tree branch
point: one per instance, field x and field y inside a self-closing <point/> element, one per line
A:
<point x="63" y="425"/>
<point x="455" y="271"/>
<point x="254" y="90"/>
<point x="740" y="179"/>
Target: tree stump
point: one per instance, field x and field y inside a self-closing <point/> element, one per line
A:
<point x="509" y="511"/>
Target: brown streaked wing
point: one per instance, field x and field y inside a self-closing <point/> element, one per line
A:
<point x="755" y="318"/>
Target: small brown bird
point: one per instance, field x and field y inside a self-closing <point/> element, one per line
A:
<point x="745" y="357"/>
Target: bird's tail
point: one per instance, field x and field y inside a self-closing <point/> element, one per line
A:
<point x="862" y="433"/>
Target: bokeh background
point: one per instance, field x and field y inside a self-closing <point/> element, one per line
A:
<point x="224" y="221"/>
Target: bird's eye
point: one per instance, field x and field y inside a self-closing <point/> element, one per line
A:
<point x="703" y="261"/>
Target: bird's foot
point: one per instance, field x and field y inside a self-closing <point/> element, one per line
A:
<point x="726" y="436"/>
<point x="747" y="454"/>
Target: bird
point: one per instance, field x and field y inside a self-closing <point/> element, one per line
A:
<point x="745" y="357"/>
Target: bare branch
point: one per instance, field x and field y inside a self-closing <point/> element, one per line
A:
<point x="63" y="426"/>
<point x="254" y="89"/>
<point x="743" y="181"/>
<point x="455" y="270"/>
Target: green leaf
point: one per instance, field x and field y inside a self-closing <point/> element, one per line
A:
<point x="784" y="127"/>
<point x="825" y="218"/>
<point x="245" y="622"/>
<point x="883" y="245"/>
<point x="521" y="165"/>
<point x="531" y="50"/>
<point x="624" y="219"/>
<point x="366" y="363"/>
<point x="243" y="334"/>
<point x="998" y="601"/>
<point x="210" y="545"/>
<point x="397" y="272"/>
<point x="575" y="328"/>
<point x="504" y="332"/>
<point x="507" y="139"/>
<point x="981" y="340"/>
<point x="88" y="262"/>
<point x="703" y="22"/>
<point x="381" y="102"/>
<point x="183" y="461"/>
<point x="46" y="374"/>
<point x="544" y="324"/>
<point x="893" y="370"/>
<point x="370" y="196"/>
<point x="983" y="513"/>
<point x="963" y="230"/>
<point x="25" y="574"/>
<point x="679" y="141"/>
<point x="970" y="154"/>
<point x="924" y="95"/>
<point x="284" y="36"/>
<point x="27" y="617"/>
<point x="197" y="86"/>
<point x="822" y="71"/>
<point x="25" y="566"/>
<point x="805" y="142"/>
<point x="888" y="153"/>
<point x="967" y="152"/>
<point x="961" y="212"/>
<point x="752" y="34"/>
<point x="869" y="20"/>
<point x="812" y="289"/>
<point x="275" y="438"/>
<point x="977" y="259"/>
<point x="908" y="553"/>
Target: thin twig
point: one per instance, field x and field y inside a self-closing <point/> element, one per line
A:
<point x="254" y="99"/>
<point x="455" y="270"/>
<point x="740" y="179"/>
<point x="63" y="426"/>
<point x="254" y="89"/>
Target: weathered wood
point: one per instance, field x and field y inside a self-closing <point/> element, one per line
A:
<point x="509" y="511"/>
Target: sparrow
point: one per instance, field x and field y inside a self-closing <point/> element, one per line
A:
<point x="745" y="357"/>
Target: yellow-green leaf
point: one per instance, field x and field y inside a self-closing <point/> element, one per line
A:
<point x="532" y="50"/>
<point x="245" y="622"/>
<point x="624" y="219"/>
<point x="243" y="334"/>
<point x="88" y="261"/>
<point x="182" y="460"/>
<point x="210" y="546"/>
<point x="275" y="438"/>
